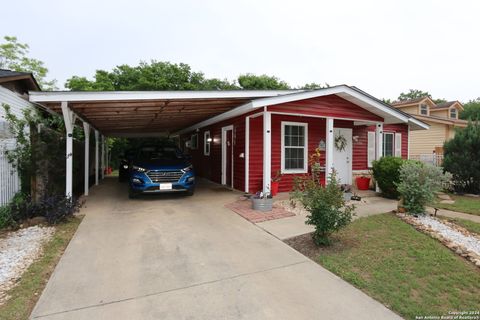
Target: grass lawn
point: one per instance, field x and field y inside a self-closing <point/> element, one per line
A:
<point x="24" y="296"/>
<point x="467" y="224"/>
<point x="462" y="204"/>
<point x="409" y="272"/>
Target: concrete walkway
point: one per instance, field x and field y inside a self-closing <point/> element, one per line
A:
<point x="175" y="257"/>
<point x="455" y="214"/>
<point x="294" y="226"/>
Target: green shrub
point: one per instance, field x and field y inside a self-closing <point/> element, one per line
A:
<point x="326" y="205"/>
<point x="5" y="217"/>
<point x="462" y="158"/>
<point x="418" y="184"/>
<point x="386" y="172"/>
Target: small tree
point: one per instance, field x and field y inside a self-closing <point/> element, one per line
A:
<point x="418" y="184"/>
<point x="462" y="158"/>
<point x="386" y="172"/>
<point x="326" y="205"/>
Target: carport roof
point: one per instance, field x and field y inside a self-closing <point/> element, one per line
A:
<point x="143" y="113"/>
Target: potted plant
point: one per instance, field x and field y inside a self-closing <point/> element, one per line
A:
<point x="363" y="182"/>
<point x="262" y="201"/>
<point x="347" y="191"/>
<point x="276" y="183"/>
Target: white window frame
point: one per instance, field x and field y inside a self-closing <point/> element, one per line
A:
<point x="206" y="143"/>
<point x="450" y="113"/>
<point x="305" y="148"/>
<point x="384" y="144"/>
<point x="194" y="146"/>
<point x="426" y="108"/>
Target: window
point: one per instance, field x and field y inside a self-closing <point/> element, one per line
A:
<point x="424" y="109"/>
<point x="453" y="113"/>
<point x="294" y="147"/>
<point x="194" y="141"/>
<point x="388" y="146"/>
<point x="206" y="143"/>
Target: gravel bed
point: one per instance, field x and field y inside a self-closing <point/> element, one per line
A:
<point x="470" y="242"/>
<point x="18" y="250"/>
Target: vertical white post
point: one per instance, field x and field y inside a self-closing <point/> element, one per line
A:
<point x="102" y="166"/>
<point x="329" y="149"/>
<point x="379" y="140"/>
<point x="267" y="150"/>
<point x="68" y="119"/>
<point x="86" y="131"/>
<point x="408" y="141"/>
<point x="379" y="146"/>
<point x="247" y="152"/>
<point x="96" y="157"/>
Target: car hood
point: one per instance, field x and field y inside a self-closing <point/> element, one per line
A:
<point x="162" y="164"/>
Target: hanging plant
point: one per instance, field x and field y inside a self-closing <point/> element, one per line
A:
<point x="340" y="142"/>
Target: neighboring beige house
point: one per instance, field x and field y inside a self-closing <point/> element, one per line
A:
<point x="443" y="120"/>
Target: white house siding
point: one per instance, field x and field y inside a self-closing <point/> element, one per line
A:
<point x="9" y="180"/>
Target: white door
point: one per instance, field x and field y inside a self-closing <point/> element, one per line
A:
<point x="342" y="158"/>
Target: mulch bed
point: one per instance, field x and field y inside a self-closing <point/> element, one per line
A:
<point x="243" y="207"/>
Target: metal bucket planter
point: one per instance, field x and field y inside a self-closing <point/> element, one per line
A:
<point x="264" y="204"/>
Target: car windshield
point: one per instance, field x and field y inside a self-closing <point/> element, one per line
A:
<point x="159" y="153"/>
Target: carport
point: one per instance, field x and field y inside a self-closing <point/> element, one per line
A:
<point x="135" y="114"/>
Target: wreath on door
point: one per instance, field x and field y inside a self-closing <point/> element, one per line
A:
<point x="340" y="142"/>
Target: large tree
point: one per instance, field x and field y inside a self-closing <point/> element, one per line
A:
<point x="415" y="94"/>
<point x="471" y="110"/>
<point x="156" y="75"/>
<point x="263" y="82"/>
<point x="14" y="56"/>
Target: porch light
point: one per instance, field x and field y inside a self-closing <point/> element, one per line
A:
<point x="209" y="140"/>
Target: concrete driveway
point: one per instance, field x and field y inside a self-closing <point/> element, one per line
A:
<point x="180" y="257"/>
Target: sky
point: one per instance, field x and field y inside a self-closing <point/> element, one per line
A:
<point x="382" y="47"/>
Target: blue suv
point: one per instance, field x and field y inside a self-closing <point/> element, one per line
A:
<point x="160" y="169"/>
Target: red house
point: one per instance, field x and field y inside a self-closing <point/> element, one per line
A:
<point x="244" y="147"/>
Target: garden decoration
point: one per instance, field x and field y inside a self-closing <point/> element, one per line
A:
<point x="262" y="201"/>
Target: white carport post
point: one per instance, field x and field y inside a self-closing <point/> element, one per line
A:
<point x="96" y="157"/>
<point x="379" y="145"/>
<point x="102" y="167"/>
<point x="329" y="166"/>
<point x="69" y="119"/>
<point x="86" y="131"/>
<point x="267" y="150"/>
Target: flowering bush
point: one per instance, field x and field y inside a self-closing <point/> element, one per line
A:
<point x="418" y="184"/>
<point x="326" y="205"/>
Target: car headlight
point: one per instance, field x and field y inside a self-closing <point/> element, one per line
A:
<point x="189" y="168"/>
<point x="139" y="169"/>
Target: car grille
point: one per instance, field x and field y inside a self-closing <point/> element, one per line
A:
<point x="164" y="176"/>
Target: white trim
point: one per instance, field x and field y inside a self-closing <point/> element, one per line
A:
<point x="224" y="154"/>
<point x="86" y="132"/>
<point x="247" y="153"/>
<point x="282" y="147"/>
<point x="75" y="96"/>
<point x="102" y="158"/>
<point x="267" y="150"/>
<point x="379" y="145"/>
<point x="96" y="156"/>
<point x="329" y="139"/>
<point x="206" y="142"/>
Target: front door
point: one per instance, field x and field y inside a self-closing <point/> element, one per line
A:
<point x="227" y="156"/>
<point x="342" y="154"/>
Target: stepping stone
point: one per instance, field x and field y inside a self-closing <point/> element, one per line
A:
<point x="444" y="197"/>
<point x="448" y="201"/>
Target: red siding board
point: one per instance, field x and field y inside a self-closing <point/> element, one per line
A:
<point x="326" y="106"/>
<point x="255" y="180"/>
